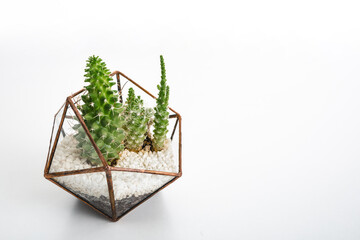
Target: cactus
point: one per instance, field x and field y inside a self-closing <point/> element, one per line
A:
<point x="101" y="112"/>
<point x="161" y="120"/>
<point x="136" y="120"/>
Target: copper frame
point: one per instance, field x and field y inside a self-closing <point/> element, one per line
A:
<point x="106" y="168"/>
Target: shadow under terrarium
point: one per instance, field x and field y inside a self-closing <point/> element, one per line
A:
<point x="83" y="210"/>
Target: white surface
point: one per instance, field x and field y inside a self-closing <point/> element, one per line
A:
<point x="268" y="91"/>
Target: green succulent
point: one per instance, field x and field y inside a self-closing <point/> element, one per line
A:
<point x="136" y="121"/>
<point x="161" y="120"/>
<point x="101" y="112"/>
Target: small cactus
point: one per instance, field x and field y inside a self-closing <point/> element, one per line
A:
<point x="136" y="121"/>
<point x="101" y="112"/>
<point x="161" y="120"/>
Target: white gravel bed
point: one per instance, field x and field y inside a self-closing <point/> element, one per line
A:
<point x="145" y="159"/>
<point x="67" y="157"/>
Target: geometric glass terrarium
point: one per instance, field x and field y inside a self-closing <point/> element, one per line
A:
<point x="112" y="190"/>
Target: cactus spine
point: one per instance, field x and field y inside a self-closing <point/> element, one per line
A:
<point x="101" y="112"/>
<point x="161" y="121"/>
<point x="136" y="119"/>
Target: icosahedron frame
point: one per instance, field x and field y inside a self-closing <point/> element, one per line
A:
<point x="105" y="167"/>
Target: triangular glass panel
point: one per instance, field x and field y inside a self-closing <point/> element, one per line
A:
<point x="130" y="188"/>
<point x="172" y="154"/>
<point x="56" y="124"/>
<point x="74" y="151"/>
<point x="90" y="187"/>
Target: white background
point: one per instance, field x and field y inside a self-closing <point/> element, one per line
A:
<point x="268" y="91"/>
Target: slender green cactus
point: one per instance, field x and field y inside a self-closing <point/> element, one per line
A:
<point x="101" y="112"/>
<point x="136" y="119"/>
<point x="161" y="120"/>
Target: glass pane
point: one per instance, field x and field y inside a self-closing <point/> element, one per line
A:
<point x="91" y="187"/>
<point x="174" y="143"/>
<point x="74" y="150"/>
<point x="56" y="123"/>
<point x="130" y="188"/>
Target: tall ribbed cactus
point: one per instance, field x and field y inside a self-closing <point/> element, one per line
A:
<point x="161" y="120"/>
<point x="101" y="113"/>
<point x="136" y="119"/>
